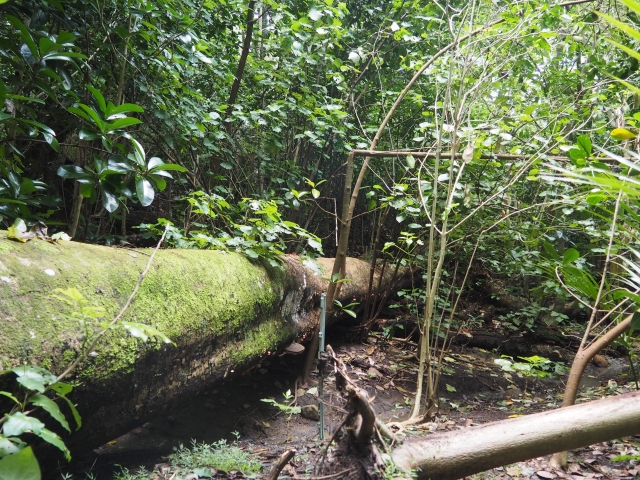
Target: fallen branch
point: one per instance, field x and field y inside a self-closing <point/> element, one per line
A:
<point x="280" y="464"/>
<point x="460" y="453"/>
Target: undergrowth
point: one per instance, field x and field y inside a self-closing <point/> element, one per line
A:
<point x="199" y="456"/>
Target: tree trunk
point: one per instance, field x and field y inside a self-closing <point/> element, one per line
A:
<point x="224" y="313"/>
<point x="460" y="453"/>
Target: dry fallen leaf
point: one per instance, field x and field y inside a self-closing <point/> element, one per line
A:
<point x="545" y="474"/>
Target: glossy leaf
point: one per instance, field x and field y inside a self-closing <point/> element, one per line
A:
<point x="99" y="98"/>
<point x="144" y="192"/>
<point x="170" y="167"/>
<point x="109" y="201"/>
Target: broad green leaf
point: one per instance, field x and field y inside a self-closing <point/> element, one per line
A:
<point x="7" y="447"/>
<point x="72" y="171"/>
<point x="41" y="126"/>
<point x="51" y="140"/>
<point x="144" y="192"/>
<point x="169" y="167"/>
<point x="580" y="280"/>
<point x="20" y="466"/>
<point x="16" y="182"/>
<point x="635" y="322"/>
<point x="72" y="407"/>
<point x="570" y="256"/>
<point x="46" y="45"/>
<point x="24" y="34"/>
<point x="88" y="135"/>
<point x="33" y="378"/>
<point x="87" y="190"/>
<point x="51" y="408"/>
<point x="93" y="116"/>
<point x="138" y="151"/>
<point x="122" y="123"/>
<point x="25" y="99"/>
<point x="551" y="251"/>
<point x="99" y="98"/>
<point x="595" y="198"/>
<point x="66" y="56"/>
<point x="109" y="201"/>
<point x="65" y="39"/>
<point x="158" y="172"/>
<point x="584" y="142"/>
<point x="154" y="162"/>
<point x="81" y="113"/>
<point x="112" y="111"/>
<point x="62" y="388"/>
<point x="18" y="423"/>
<point x="50" y="437"/>
<point x="315" y="244"/>
<point x="158" y="180"/>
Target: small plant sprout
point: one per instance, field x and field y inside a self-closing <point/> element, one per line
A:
<point x="347" y="308"/>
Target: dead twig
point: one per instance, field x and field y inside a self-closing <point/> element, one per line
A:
<point x="280" y="464"/>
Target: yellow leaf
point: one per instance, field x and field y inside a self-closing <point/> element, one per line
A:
<point x="622" y="134"/>
<point x="18" y="231"/>
<point x="515" y="416"/>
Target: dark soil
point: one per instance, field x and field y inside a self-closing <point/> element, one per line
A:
<point x="473" y="390"/>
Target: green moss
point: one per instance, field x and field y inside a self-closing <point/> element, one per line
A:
<point x="186" y="294"/>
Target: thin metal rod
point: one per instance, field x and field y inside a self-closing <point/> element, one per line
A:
<point x="323" y="312"/>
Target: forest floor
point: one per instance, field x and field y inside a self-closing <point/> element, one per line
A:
<point x="474" y="390"/>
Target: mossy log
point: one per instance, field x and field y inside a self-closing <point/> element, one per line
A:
<point x="224" y="313"/>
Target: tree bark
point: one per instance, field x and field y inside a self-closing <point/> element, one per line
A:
<point x="246" y="46"/>
<point x="224" y="313"/>
<point x="457" y="454"/>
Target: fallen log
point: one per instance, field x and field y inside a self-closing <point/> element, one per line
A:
<point x="224" y="313"/>
<point x="453" y="455"/>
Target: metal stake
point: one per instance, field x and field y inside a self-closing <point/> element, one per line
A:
<point x="323" y="312"/>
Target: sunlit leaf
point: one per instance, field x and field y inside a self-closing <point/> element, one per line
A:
<point x="18" y="423"/>
<point x="622" y="134"/>
<point x="20" y="466"/>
